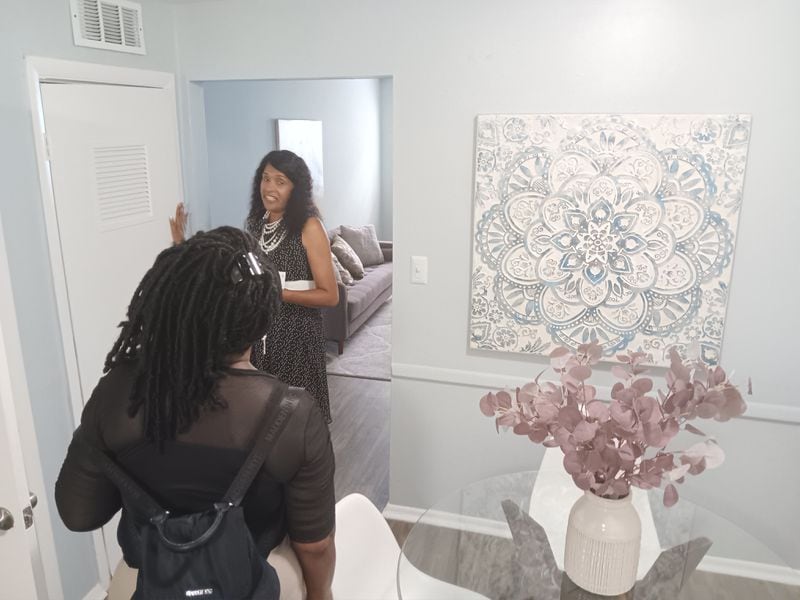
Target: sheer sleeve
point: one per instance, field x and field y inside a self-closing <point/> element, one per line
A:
<point x="85" y="498"/>
<point x="310" y="501"/>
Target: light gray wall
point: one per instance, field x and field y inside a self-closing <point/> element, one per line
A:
<point x="240" y="119"/>
<point x="449" y="65"/>
<point x="43" y="28"/>
<point x="450" y="62"/>
<point x="387" y="161"/>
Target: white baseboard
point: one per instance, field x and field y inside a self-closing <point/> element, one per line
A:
<point x="96" y="593"/>
<point x="711" y="564"/>
<point x="398" y="512"/>
<point x="751" y="570"/>
<point x="447" y="520"/>
<point x="780" y="413"/>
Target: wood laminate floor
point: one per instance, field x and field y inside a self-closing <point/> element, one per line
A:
<point x="711" y="586"/>
<point x="360" y="437"/>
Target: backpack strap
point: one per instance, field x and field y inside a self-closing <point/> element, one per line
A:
<point x="278" y="413"/>
<point x="131" y="490"/>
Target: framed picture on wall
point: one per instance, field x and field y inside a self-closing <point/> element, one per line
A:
<point x="607" y="227"/>
<point x="304" y="138"/>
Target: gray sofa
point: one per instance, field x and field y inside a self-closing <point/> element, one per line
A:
<point x="359" y="300"/>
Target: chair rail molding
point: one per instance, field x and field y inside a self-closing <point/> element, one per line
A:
<point x="760" y="411"/>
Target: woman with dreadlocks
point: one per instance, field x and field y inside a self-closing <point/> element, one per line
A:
<point x="180" y="405"/>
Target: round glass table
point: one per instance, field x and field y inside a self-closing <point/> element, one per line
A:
<point x="503" y="538"/>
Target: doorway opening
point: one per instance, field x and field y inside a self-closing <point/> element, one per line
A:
<point x="234" y="124"/>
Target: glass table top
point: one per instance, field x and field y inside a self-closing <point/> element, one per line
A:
<point x="503" y="538"/>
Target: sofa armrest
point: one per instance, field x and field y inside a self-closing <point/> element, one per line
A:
<point x="335" y="318"/>
<point x="386" y="248"/>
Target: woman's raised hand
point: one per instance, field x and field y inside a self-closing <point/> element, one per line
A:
<point x="177" y="224"/>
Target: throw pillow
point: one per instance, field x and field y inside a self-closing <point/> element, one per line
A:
<point x="332" y="233"/>
<point x="336" y="274"/>
<point x="342" y="274"/>
<point x="364" y="242"/>
<point x="347" y="257"/>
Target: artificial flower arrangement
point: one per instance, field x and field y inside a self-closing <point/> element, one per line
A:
<point x="611" y="445"/>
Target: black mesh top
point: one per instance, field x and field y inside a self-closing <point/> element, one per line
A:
<point x="293" y="493"/>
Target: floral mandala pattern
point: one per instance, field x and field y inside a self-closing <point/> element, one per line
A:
<point x="606" y="227"/>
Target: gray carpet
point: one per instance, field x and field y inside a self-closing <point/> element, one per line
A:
<point x="368" y="352"/>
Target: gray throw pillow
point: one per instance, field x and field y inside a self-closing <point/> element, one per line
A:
<point x="336" y="274"/>
<point x="342" y="274"/>
<point x="364" y="242"/>
<point x="332" y="233"/>
<point x="347" y="257"/>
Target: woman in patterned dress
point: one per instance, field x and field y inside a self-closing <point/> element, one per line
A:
<point x="285" y="220"/>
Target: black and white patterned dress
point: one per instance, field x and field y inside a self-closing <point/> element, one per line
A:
<point x="294" y="349"/>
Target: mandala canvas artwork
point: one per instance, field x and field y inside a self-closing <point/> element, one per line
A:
<point x="619" y="228"/>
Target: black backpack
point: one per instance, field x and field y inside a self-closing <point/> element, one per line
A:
<point x="208" y="555"/>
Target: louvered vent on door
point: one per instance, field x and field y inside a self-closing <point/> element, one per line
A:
<point x="123" y="186"/>
<point x="108" y="24"/>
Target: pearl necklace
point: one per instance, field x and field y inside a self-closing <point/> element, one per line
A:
<point x="272" y="235"/>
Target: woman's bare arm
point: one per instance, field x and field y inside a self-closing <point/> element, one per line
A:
<point x="317" y="560"/>
<point x="318" y="250"/>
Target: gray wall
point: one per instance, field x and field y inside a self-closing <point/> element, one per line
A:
<point x="387" y="143"/>
<point x="240" y="119"/>
<point x="450" y="62"/>
<point x="43" y="28"/>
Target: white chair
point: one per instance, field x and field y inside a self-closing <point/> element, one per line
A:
<point x="367" y="555"/>
<point x="366" y="563"/>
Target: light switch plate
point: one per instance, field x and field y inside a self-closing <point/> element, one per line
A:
<point x="419" y="269"/>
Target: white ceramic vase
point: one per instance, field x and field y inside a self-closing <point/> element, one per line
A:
<point x="602" y="546"/>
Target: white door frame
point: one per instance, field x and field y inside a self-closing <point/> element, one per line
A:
<point x="49" y="70"/>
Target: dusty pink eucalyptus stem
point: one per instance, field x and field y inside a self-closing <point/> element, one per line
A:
<point x="610" y="446"/>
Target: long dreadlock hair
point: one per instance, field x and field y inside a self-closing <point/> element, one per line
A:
<point x="185" y="318"/>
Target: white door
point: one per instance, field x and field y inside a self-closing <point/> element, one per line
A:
<point x="21" y="574"/>
<point x="16" y="567"/>
<point x="114" y="164"/>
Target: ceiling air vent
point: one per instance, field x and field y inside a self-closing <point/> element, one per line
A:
<point x="108" y="24"/>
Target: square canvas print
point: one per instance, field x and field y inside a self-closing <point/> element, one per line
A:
<point x="304" y="138"/>
<point x="619" y="228"/>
